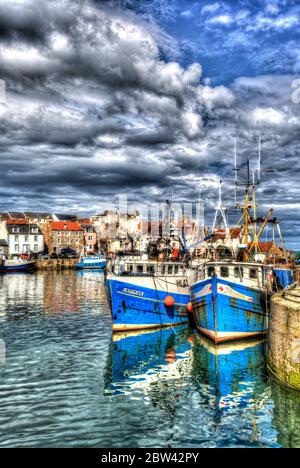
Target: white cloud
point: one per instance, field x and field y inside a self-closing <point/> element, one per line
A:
<point x="267" y="116"/>
<point x="211" y="8"/>
<point x="186" y="14"/>
<point x="220" y="96"/>
<point x="221" y="19"/>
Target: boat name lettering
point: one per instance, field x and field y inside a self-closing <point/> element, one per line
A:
<point x="132" y="291"/>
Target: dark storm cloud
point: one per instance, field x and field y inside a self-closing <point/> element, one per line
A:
<point x="92" y="110"/>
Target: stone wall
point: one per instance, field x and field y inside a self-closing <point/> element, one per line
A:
<point x="284" y="337"/>
<point x="56" y="264"/>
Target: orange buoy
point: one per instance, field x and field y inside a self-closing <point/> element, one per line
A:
<point x="189" y="307"/>
<point x="169" y="301"/>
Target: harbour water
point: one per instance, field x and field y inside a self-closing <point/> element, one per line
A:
<point x="66" y="382"/>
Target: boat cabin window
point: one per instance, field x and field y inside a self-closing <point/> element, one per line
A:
<point x="163" y="269"/>
<point x="130" y="268"/>
<point x="140" y="269"/>
<point x="238" y="272"/>
<point x="176" y="269"/>
<point x="211" y="271"/>
<point x="253" y="273"/>
<point x="170" y="270"/>
<point x="224" y="272"/>
<point x="151" y="269"/>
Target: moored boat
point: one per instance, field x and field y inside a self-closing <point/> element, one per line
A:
<point x="230" y="300"/>
<point x="148" y="294"/>
<point x="231" y="294"/>
<point x="17" y="265"/>
<point x="95" y="262"/>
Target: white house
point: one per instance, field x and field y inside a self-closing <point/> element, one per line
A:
<point x="23" y="237"/>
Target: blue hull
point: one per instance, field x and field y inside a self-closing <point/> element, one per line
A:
<point x="91" y="266"/>
<point x="135" y="307"/>
<point x="16" y="269"/>
<point x="225" y="310"/>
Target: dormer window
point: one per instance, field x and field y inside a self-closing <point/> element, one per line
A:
<point x="15" y="229"/>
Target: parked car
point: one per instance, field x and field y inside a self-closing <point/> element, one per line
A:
<point x="44" y="256"/>
<point x="68" y="253"/>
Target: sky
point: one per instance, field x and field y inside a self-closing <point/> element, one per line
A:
<point x="145" y="98"/>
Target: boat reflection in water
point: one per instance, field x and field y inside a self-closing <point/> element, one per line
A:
<point x="227" y="373"/>
<point x="138" y="360"/>
<point x="232" y="371"/>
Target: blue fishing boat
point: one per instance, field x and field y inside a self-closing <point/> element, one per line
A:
<point x="231" y="293"/>
<point x="148" y="294"/>
<point x="16" y="266"/>
<point x="91" y="263"/>
<point x="230" y="300"/>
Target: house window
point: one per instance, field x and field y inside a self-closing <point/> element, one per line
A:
<point x="36" y="247"/>
<point x="15" y="229"/>
<point x="90" y="238"/>
<point x="151" y="269"/>
<point x="77" y="241"/>
<point x="16" y="238"/>
<point x="224" y="272"/>
<point x="34" y="230"/>
<point x="58" y="241"/>
<point x="17" y="248"/>
<point x="35" y="238"/>
<point x="26" y="238"/>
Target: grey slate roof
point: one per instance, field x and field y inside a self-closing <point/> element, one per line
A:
<point x="24" y="229"/>
<point x="39" y="215"/>
<point x="66" y="217"/>
<point x="16" y="215"/>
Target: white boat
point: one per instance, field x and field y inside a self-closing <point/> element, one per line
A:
<point x="96" y="262"/>
<point x="16" y="265"/>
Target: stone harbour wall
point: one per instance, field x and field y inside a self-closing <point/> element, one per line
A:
<point x="284" y="337"/>
<point x="56" y="264"/>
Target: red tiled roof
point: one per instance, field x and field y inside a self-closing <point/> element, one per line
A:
<point x="17" y="221"/>
<point x="86" y="221"/>
<point x="265" y="247"/>
<point x="65" y="226"/>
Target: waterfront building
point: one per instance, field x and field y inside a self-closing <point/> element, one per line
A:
<point x="3" y="248"/>
<point x="117" y="232"/>
<point x="90" y="236"/>
<point x="63" y="234"/>
<point x="22" y="237"/>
